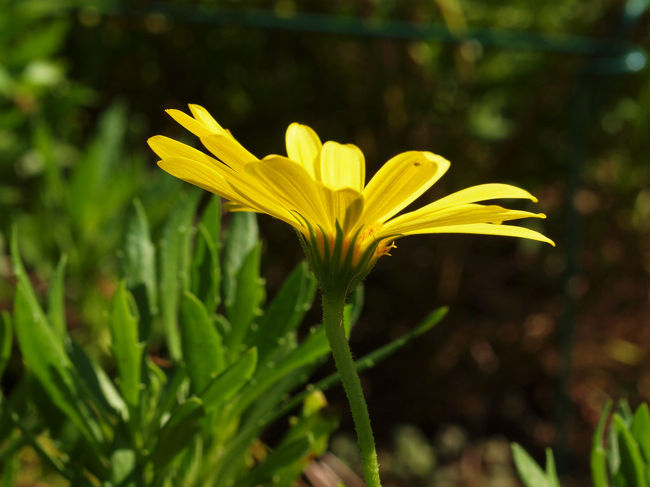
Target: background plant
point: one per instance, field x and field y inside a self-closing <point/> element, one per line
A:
<point x="236" y="367"/>
<point x="620" y="452"/>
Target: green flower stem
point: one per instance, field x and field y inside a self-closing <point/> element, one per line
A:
<point x="333" y="304"/>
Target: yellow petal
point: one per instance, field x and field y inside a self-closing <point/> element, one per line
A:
<point x="344" y="206"/>
<point x="228" y="184"/>
<point x="341" y="166"/>
<point x="228" y="150"/>
<point x="303" y="146"/>
<point x="482" y="192"/>
<point x="399" y="182"/>
<point x="293" y="188"/>
<point x="200" y="174"/>
<point x="165" y="147"/>
<point x="191" y="124"/>
<point x="204" y="117"/>
<point x="487" y="229"/>
<point x="454" y="215"/>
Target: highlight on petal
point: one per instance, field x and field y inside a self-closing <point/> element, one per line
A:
<point x="454" y="215"/>
<point x="400" y="182"/>
<point x="199" y="173"/>
<point x="221" y="180"/>
<point x="293" y="188"/>
<point x="191" y="124"/>
<point x="303" y="146"/>
<point x="487" y="229"/>
<point x="482" y="192"/>
<point x="344" y="206"/>
<point x="341" y="166"/>
<point x="165" y="147"/>
<point x="228" y="150"/>
<point x="204" y="117"/>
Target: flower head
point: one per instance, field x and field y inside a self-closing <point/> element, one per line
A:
<point x="320" y="190"/>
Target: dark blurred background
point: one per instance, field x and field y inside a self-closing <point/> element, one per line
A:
<point x="550" y="96"/>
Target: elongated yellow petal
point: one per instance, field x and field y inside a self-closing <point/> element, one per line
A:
<point x="482" y="192"/>
<point x="223" y="181"/>
<point x="341" y="166"/>
<point x="293" y="188"/>
<point x="202" y="174"/>
<point x="303" y="146"/>
<point x="228" y="150"/>
<point x="487" y="229"/>
<point x="165" y="147"/>
<point x="400" y="182"/>
<point x="204" y="117"/>
<point x="191" y="124"/>
<point x="454" y="215"/>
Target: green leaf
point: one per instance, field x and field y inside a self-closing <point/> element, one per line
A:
<point x="641" y="430"/>
<point x="174" y="267"/>
<point x="122" y="465"/>
<point x="598" y="461"/>
<point x="313" y="348"/>
<point x="138" y="266"/>
<point x="126" y="348"/>
<point x="246" y="299"/>
<point x="45" y="356"/>
<point x="178" y="432"/>
<point x="632" y="466"/>
<point x="224" y="386"/>
<point x="551" y="472"/>
<point x="6" y="340"/>
<point x="211" y="220"/>
<point x="202" y="347"/>
<point x="278" y="459"/>
<point x="530" y="473"/>
<point x="206" y="271"/>
<point x="241" y="237"/>
<point x="56" y="301"/>
<point x="285" y="312"/>
<point x="97" y="387"/>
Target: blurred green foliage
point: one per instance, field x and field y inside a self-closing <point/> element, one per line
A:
<point x="620" y="452"/>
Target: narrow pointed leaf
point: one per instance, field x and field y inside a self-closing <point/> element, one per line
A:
<point x="223" y="387"/>
<point x="632" y="466"/>
<point x="529" y="472"/>
<point x="641" y="430"/>
<point x="242" y="236"/>
<point x="276" y="460"/>
<point x="285" y="312"/>
<point x="6" y="340"/>
<point x="248" y="293"/>
<point x="211" y="220"/>
<point x="174" y="268"/>
<point x="206" y="271"/>
<point x="551" y="472"/>
<point x="177" y="433"/>
<point x="45" y="356"/>
<point x="202" y="346"/>
<point x="126" y="347"/>
<point x="138" y="266"/>
<point x="56" y="301"/>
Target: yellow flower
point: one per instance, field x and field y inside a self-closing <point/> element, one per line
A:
<point x="320" y="189"/>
